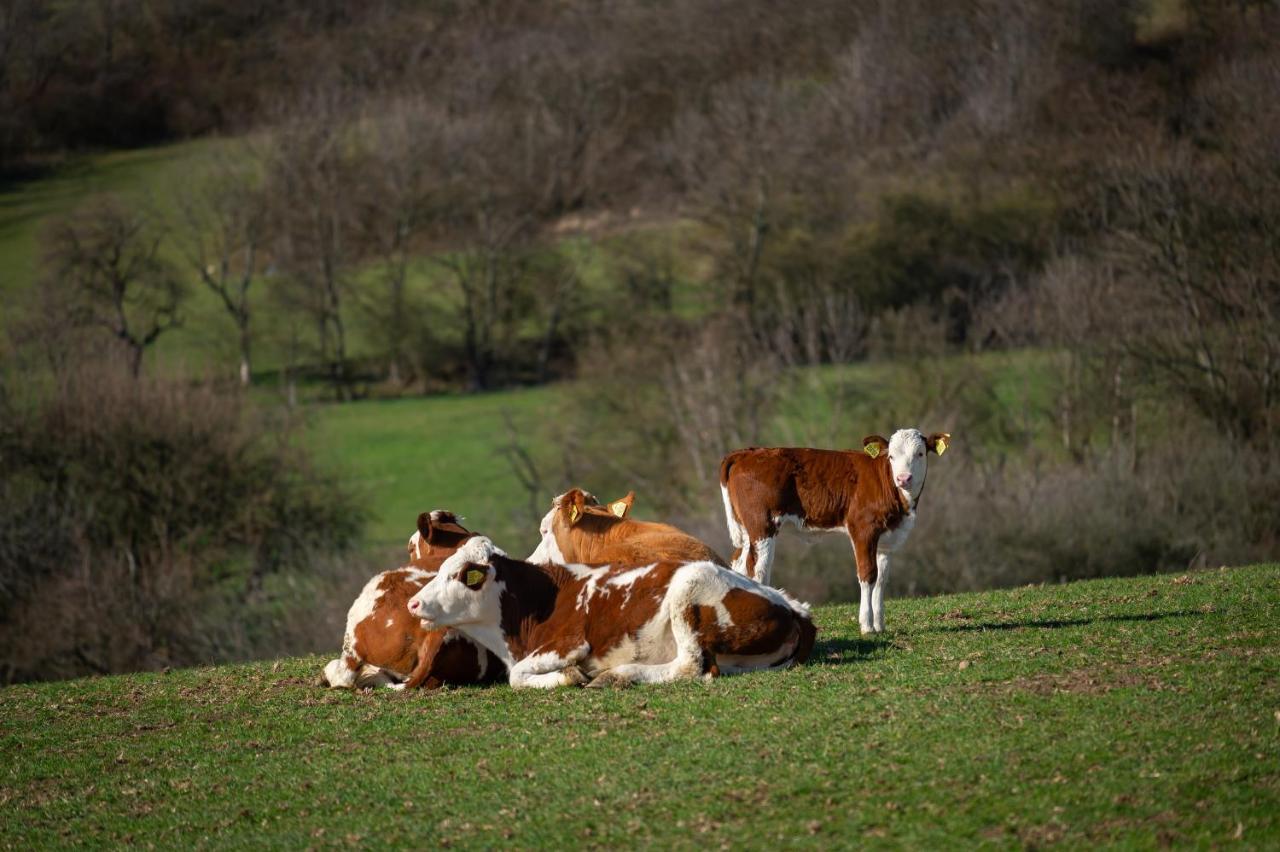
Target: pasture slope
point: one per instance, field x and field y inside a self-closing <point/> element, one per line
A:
<point x="1139" y="712"/>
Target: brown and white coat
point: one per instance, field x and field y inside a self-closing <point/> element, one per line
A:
<point x="870" y="495"/>
<point x="384" y="645"/>
<point x="557" y="625"/>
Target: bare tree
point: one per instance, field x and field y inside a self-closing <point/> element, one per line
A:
<point x="488" y="214"/>
<point x="106" y="256"/>
<point x="1199" y="241"/>
<point x="311" y="178"/>
<point x="224" y="237"/>
<point x="400" y="169"/>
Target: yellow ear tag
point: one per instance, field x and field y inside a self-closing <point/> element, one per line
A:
<point x="940" y="445"/>
<point x="619" y="508"/>
<point x="573" y="514"/>
<point x="474" y="576"/>
<point x="872" y="450"/>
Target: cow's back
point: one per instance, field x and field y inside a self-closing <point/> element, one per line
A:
<point x="812" y="485"/>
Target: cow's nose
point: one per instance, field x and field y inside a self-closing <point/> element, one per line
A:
<point x="904" y="479"/>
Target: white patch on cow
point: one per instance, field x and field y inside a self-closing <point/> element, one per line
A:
<point x="413" y="574"/>
<point x="417" y="548"/>
<point x="390" y="621"/>
<point x="593" y="578"/>
<point x="877" y="592"/>
<point x="737" y="532"/>
<point x="548" y="550"/>
<point x="864" y="607"/>
<point x="794" y="520"/>
<point x="908" y="457"/>
<point x="764" y="560"/>
<point x="627" y="579"/>
<point x="545" y="670"/>
<point x="338" y="675"/>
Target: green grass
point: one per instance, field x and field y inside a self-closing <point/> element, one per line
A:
<point x="1135" y="712"/>
<point x="410" y="455"/>
<point x="25" y="206"/>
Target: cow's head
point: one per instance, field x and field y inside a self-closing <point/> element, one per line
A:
<point x="569" y="511"/>
<point x="438" y="530"/>
<point x="907" y="453"/>
<point x="463" y="591"/>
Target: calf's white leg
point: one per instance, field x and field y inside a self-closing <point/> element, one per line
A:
<point x="865" y="623"/>
<point x="877" y="592"/>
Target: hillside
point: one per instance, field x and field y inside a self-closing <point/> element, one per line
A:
<point x="1135" y="712"/>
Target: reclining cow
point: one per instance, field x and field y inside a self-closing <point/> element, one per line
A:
<point x="386" y="646"/>
<point x="579" y="530"/>
<point x="561" y="625"/>
<point x="871" y="496"/>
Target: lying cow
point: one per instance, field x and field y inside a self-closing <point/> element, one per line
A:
<point x="386" y="646"/>
<point x="560" y="625"/>
<point x="871" y="496"/>
<point x="579" y="530"/>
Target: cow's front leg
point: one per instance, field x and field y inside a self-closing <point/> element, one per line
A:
<point x="864" y="555"/>
<point x="877" y="592"/>
<point x="549" y="669"/>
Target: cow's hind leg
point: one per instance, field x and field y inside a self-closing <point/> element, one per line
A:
<point x="342" y="672"/>
<point x="685" y="598"/>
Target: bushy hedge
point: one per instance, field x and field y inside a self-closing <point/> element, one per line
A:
<point x="146" y="522"/>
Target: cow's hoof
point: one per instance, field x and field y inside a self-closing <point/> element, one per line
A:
<point x="609" y="679"/>
<point x="574" y="676"/>
<point x="321" y="681"/>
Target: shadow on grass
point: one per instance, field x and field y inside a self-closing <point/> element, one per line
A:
<point x="1056" y="623"/>
<point x="841" y="652"/>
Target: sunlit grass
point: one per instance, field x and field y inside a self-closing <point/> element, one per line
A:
<point x="1137" y="712"/>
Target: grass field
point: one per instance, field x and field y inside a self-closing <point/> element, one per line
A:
<point x="407" y="456"/>
<point x="1137" y="712"/>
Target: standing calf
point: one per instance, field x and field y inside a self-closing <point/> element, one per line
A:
<point x="871" y="496"/>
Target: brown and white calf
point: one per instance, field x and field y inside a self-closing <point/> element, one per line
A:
<point x="560" y="625"/>
<point x="579" y="530"/>
<point x="869" y="495"/>
<point x="384" y="645"/>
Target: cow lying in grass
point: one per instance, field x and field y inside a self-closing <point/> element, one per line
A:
<point x="871" y="496"/>
<point x="386" y="646"/>
<point x="561" y="625"/>
<point x="579" y="530"/>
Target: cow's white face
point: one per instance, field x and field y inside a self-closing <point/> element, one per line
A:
<point x="417" y="547"/>
<point x="463" y="592"/>
<point x="908" y="460"/>
<point x="548" y="550"/>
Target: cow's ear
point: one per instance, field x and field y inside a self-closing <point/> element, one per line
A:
<point x="424" y="526"/>
<point x="874" y="445"/>
<point x="938" y="442"/>
<point x="622" y="506"/>
<point x="474" y="576"/>
<point x="574" y="504"/>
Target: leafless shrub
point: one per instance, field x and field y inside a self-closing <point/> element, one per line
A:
<point x="133" y="509"/>
<point x="105" y="264"/>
